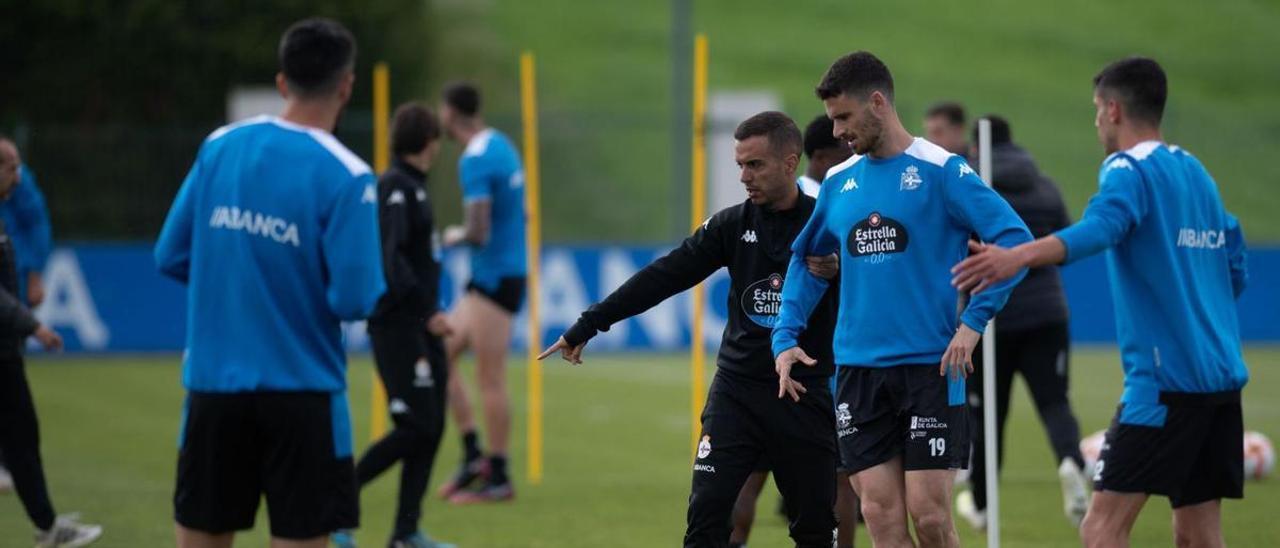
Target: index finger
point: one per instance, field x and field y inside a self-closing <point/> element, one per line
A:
<point x="549" y="351"/>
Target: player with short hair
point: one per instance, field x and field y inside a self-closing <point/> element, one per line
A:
<point x="275" y="234"/>
<point x="406" y="327"/>
<point x="19" y="427"/>
<point x="749" y="414"/>
<point x="824" y="152"/>
<point x="1176" y="259"/>
<point x="899" y="212"/>
<point x="493" y="230"/>
<point x="944" y="125"/>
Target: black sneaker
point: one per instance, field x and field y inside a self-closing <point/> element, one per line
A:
<point x="489" y="492"/>
<point x="469" y="473"/>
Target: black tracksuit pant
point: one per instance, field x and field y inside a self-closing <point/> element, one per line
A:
<point x="412" y="365"/>
<point x="744" y="421"/>
<point x="20" y="441"/>
<point x="1041" y="355"/>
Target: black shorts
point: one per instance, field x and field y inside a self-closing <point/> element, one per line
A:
<point x="1195" y="457"/>
<point x="509" y="294"/>
<point x="292" y="447"/>
<point x="907" y="410"/>
<point x="411" y="363"/>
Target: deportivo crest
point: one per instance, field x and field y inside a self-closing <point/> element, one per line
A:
<point x="762" y="300"/>
<point x="843" y="416"/>
<point x="704" y="447"/>
<point x="910" y="179"/>
<point x="877" y="235"/>
<point x="422" y="374"/>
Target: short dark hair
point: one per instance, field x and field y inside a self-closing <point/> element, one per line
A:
<point x="779" y="129"/>
<point x="314" y="54"/>
<point x="462" y="97"/>
<point x="819" y="135"/>
<point x="951" y="110"/>
<point x="1139" y="84"/>
<point x="856" y="74"/>
<point x="1000" y="132"/>
<point x="413" y="127"/>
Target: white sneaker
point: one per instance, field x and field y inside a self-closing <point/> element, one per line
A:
<point x="6" y="480"/>
<point x="970" y="512"/>
<point x="1075" y="497"/>
<point x="68" y="532"/>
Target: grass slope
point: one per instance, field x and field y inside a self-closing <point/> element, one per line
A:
<point x="604" y="84"/>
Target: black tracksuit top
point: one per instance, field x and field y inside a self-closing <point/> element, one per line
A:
<point x="410" y="250"/>
<point x="755" y="245"/>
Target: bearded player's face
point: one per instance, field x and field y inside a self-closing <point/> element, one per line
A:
<point x="855" y="121"/>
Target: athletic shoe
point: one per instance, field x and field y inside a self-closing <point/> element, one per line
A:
<point x="490" y="492"/>
<point x="970" y="512"/>
<point x="343" y="538"/>
<point x="68" y="532"/>
<point x="419" y="540"/>
<point x="6" y="480"/>
<point x="470" y="472"/>
<point x="1075" y="499"/>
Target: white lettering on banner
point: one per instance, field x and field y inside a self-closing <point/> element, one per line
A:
<point x="661" y="324"/>
<point x="563" y="295"/>
<point x="68" y="302"/>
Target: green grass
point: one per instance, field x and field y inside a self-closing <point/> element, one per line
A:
<point x="617" y="461"/>
<point x="604" y="85"/>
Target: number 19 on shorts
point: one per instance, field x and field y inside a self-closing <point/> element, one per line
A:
<point x="937" y="447"/>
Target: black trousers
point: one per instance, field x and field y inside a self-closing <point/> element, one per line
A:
<point x="412" y="365"/>
<point x="743" y="421"/>
<point x="1042" y="357"/>
<point x="20" y="441"/>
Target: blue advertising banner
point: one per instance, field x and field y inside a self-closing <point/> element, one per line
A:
<point x="109" y="298"/>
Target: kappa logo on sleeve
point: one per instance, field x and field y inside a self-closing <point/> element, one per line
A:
<point x="396" y="197"/>
<point x="849" y="185"/>
<point x="965" y="169"/>
<point x="370" y="195"/>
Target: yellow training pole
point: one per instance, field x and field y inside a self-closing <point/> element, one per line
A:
<point x="533" y="243"/>
<point x="381" y="159"/>
<point x="698" y="201"/>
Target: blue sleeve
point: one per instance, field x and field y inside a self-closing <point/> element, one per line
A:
<point x="352" y="249"/>
<point x="1237" y="255"/>
<point x="979" y="209"/>
<point x="33" y="228"/>
<point x="474" y="178"/>
<point x="1117" y="208"/>
<point x="802" y="290"/>
<point x="173" y="247"/>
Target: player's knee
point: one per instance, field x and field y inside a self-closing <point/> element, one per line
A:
<point x="1097" y="529"/>
<point x="1199" y="535"/>
<point x="933" y="522"/>
<point x="880" y="511"/>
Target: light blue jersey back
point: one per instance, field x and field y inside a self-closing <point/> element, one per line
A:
<point x="1177" y="261"/>
<point x="275" y="234"/>
<point x="899" y="225"/>
<point x="490" y="170"/>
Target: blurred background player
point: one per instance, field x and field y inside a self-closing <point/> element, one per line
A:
<point x="751" y="414"/>
<point x="407" y="327"/>
<point x="19" y="429"/>
<point x="824" y="152"/>
<point x="493" y="228"/>
<point x="899" y="212"/>
<point x="1031" y="334"/>
<point x="944" y="125"/>
<point x="1176" y="259"/>
<point x="26" y="221"/>
<point x="275" y="234"/>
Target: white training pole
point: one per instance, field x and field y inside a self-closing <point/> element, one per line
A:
<point x="989" y="372"/>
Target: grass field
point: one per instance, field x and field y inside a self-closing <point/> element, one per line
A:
<point x="605" y="76"/>
<point x="617" y="458"/>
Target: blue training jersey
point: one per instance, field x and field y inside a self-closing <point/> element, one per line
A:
<point x="899" y="225"/>
<point x="1176" y="260"/>
<point x="275" y="234"/>
<point x="26" y="220"/>
<point x="490" y="169"/>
